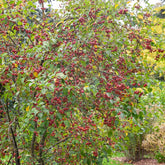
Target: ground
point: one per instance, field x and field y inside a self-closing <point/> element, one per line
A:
<point x="141" y="162"/>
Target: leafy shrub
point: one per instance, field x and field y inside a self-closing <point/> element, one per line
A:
<point x="131" y="141"/>
<point x="160" y="158"/>
<point x="134" y="133"/>
<point x="154" y="141"/>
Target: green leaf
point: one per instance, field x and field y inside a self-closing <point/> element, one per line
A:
<point x="40" y="115"/>
<point x="149" y="89"/>
<point x="30" y="3"/>
<point x="19" y="23"/>
<point x="59" y="116"/>
<point x="88" y="161"/>
<point x="110" y="133"/>
<point x="34" y="110"/>
<point x="67" y="123"/>
<point x="18" y="3"/>
<point x="83" y="63"/>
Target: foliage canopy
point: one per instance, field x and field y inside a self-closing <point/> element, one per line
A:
<point x="68" y="84"/>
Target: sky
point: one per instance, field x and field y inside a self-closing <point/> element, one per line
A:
<point x="56" y="4"/>
<point x="151" y="2"/>
<point x="154" y="1"/>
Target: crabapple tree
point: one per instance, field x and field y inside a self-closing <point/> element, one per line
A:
<point x="68" y="84"/>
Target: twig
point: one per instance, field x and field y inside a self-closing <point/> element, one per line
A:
<point x="63" y="140"/>
<point x="10" y="160"/>
<point x="12" y="40"/>
<point x="43" y="14"/>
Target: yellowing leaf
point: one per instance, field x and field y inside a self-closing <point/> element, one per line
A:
<point x="139" y="89"/>
<point x="140" y="16"/>
<point x="160" y="74"/>
<point x="116" y="6"/>
<point x="128" y="2"/>
<point x="1" y="3"/>
<point x="131" y="122"/>
<point x="94" y="67"/>
<point x="132" y="104"/>
<point x="61" y="22"/>
<point x="27" y="108"/>
<point x="158" y="29"/>
<point x="152" y="29"/>
<point x="66" y="78"/>
<point x="108" y="18"/>
<point x="95" y="46"/>
<point x="86" y="86"/>
<point x="16" y="65"/>
<point x="77" y="69"/>
<point x="152" y="73"/>
<point x="35" y="74"/>
<point x="158" y="8"/>
<point x="102" y="124"/>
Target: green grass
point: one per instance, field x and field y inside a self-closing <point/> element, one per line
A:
<point x="118" y="154"/>
<point x="115" y="162"/>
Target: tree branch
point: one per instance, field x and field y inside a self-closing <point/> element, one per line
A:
<point x="41" y="161"/>
<point x="33" y="142"/>
<point x="17" y="159"/>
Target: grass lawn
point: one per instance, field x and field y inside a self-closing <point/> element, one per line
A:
<point x="115" y="162"/>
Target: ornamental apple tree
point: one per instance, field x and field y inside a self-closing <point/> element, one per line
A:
<point x="68" y="77"/>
